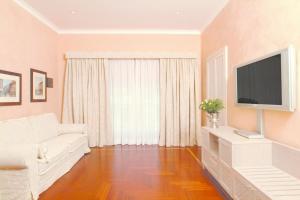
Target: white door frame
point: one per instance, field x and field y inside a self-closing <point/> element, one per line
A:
<point x="221" y="52"/>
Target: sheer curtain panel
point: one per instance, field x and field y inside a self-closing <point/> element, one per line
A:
<point x="179" y="101"/>
<point x="86" y="98"/>
<point x="134" y="101"/>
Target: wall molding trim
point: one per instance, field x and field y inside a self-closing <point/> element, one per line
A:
<point x="55" y="28"/>
<point x="133" y="32"/>
<point x="37" y="15"/>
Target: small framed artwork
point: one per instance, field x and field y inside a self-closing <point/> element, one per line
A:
<point x="10" y="88"/>
<point x="38" y="86"/>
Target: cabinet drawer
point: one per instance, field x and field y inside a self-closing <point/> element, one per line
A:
<point x="211" y="163"/>
<point x="243" y="189"/>
<point x="226" y="177"/>
<point x="204" y="157"/>
<point x="225" y="152"/>
<point x="205" y="139"/>
<point x="260" y="196"/>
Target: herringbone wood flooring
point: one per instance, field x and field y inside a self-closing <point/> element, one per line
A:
<point x="135" y="173"/>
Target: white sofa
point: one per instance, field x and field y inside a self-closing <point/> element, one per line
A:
<point x="48" y="148"/>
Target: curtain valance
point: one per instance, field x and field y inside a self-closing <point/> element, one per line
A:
<point x="131" y="55"/>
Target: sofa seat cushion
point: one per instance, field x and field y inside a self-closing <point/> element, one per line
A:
<point x="57" y="150"/>
<point x="75" y="140"/>
<point x="46" y="166"/>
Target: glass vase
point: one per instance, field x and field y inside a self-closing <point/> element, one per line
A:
<point x="213" y="119"/>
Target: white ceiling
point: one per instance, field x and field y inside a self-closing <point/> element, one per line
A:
<point x="125" y="16"/>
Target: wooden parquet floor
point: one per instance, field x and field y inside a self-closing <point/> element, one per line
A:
<point x="135" y="173"/>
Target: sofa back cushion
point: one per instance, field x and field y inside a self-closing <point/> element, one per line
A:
<point x="16" y="131"/>
<point x="45" y="126"/>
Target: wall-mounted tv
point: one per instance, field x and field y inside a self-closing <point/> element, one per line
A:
<point x="268" y="82"/>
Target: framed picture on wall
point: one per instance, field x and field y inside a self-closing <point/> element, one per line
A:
<point x="38" y="86"/>
<point x="10" y="88"/>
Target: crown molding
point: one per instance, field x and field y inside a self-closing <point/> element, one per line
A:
<point x="37" y="15"/>
<point x="52" y="26"/>
<point x="137" y="32"/>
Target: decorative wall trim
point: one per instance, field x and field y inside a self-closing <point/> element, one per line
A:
<point x="37" y="15"/>
<point x="212" y="66"/>
<point x="119" y="55"/>
<point x="133" y="32"/>
<point x="52" y="26"/>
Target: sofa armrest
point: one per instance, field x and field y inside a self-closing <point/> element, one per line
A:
<point x="16" y="155"/>
<point x="11" y="160"/>
<point x="20" y="155"/>
<point x="72" y="128"/>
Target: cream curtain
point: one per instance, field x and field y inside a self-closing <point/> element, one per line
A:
<point x="134" y="101"/>
<point x="134" y="98"/>
<point x="179" y="101"/>
<point x="86" y="98"/>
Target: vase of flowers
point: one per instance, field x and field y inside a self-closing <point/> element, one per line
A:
<point x="212" y="107"/>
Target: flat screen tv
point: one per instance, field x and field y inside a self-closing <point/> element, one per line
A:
<point x="268" y="82"/>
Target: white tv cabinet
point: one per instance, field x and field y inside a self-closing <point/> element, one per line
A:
<point x="246" y="168"/>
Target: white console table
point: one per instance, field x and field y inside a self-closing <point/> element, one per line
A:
<point x="245" y="167"/>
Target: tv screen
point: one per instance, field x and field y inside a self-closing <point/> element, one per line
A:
<point x="260" y="82"/>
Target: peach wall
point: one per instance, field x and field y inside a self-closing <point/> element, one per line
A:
<point x="252" y="29"/>
<point x="124" y="43"/>
<point x="26" y="43"/>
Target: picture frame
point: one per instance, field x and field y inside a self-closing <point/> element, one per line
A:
<point x="10" y="88"/>
<point x="38" y="86"/>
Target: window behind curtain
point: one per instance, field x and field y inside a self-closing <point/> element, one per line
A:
<point x="134" y="100"/>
